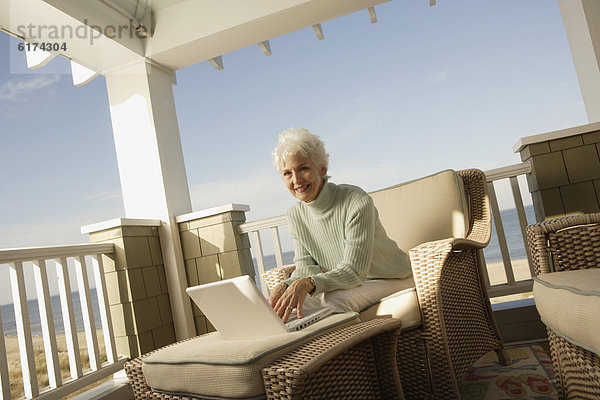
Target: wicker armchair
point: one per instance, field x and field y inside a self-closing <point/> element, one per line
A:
<point x="352" y="362"/>
<point x="458" y="326"/>
<point x="569" y="244"/>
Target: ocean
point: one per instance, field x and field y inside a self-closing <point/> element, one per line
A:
<point x="514" y="238"/>
<point x="492" y="254"/>
<point x="10" y="326"/>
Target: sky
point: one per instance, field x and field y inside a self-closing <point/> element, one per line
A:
<point x="424" y="89"/>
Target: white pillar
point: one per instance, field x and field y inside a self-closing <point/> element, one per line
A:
<point x="151" y="168"/>
<point x="582" y="23"/>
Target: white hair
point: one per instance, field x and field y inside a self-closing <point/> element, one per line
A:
<point x="293" y="141"/>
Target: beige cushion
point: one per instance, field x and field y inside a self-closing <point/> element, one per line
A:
<point x="211" y="366"/>
<point x="569" y="304"/>
<point x="423" y="210"/>
<point x="403" y="305"/>
<point x="360" y="297"/>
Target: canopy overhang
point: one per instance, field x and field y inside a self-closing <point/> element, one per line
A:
<point x="180" y="33"/>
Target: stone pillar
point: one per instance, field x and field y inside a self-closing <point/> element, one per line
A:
<point x="565" y="177"/>
<point x="214" y="250"/>
<point x="136" y="284"/>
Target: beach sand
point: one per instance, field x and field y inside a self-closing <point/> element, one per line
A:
<point x="497" y="276"/>
<point x="14" y="362"/>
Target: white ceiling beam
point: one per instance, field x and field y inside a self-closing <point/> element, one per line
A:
<point x="318" y="31"/>
<point x="372" y="15"/>
<point x="185" y="32"/>
<point x="217" y="62"/>
<point x="189" y="32"/>
<point x="265" y="47"/>
<point x="37" y="58"/>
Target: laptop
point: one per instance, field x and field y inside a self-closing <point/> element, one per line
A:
<point x="239" y="311"/>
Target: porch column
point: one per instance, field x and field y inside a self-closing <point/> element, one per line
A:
<point x="565" y="176"/>
<point x="151" y="168"/>
<point x="213" y="249"/>
<point x="582" y="23"/>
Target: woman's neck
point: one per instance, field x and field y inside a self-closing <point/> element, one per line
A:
<point x="324" y="199"/>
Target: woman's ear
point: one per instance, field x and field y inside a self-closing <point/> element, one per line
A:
<point x="323" y="171"/>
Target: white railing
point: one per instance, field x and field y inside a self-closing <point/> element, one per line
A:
<point x="511" y="286"/>
<point x="81" y="257"/>
<point x="254" y="228"/>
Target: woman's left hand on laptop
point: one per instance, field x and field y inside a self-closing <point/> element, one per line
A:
<point x="285" y="299"/>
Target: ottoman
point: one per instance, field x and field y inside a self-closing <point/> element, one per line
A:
<point x="334" y="354"/>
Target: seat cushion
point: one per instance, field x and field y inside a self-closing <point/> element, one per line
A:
<point x="211" y="366"/>
<point x="403" y="304"/>
<point x="375" y="298"/>
<point x="360" y="297"/>
<point x="434" y="207"/>
<point x="569" y="304"/>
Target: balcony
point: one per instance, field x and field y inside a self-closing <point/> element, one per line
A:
<point x="114" y="290"/>
<point x="124" y="293"/>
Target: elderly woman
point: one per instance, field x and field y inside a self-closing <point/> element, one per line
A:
<point x="339" y="241"/>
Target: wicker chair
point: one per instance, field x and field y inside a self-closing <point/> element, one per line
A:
<point x="458" y="326"/>
<point x="353" y="362"/>
<point x="568" y="244"/>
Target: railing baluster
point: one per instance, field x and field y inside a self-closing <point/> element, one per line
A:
<point x="516" y="191"/>
<point x="17" y="279"/>
<point x="260" y="260"/>
<point x="277" y="246"/>
<point x="510" y="277"/>
<point x="39" y="256"/>
<point x="47" y="323"/>
<point x="4" y="375"/>
<point x="87" y="312"/>
<point x="109" y="338"/>
<point x="66" y="304"/>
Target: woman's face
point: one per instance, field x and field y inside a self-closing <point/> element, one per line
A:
<point x="303" y="177"/>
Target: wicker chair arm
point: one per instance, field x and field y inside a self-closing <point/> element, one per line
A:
<point x="461" y="244"/>
<point x="339" y="362"/>
<point x="453" y="302"/>
<point x="571" y="241"/>
<point x="557" y="224"/>
<point x="278" y="274"/>
<point x="427" y="260"/>
<point x="480" y="227"/>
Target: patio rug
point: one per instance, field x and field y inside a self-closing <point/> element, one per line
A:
<point x="529" y="376"/>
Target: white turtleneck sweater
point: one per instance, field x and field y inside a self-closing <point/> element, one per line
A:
<point x="339" y="240"/>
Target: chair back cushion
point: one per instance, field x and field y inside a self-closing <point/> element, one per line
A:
<point x="431" y="208"/>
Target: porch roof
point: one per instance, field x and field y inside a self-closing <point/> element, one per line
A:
<point x="104" y="35"/>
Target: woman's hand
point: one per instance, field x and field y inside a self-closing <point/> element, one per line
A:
<point x="277" y="293"/>
<point x="292" y="297"/>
